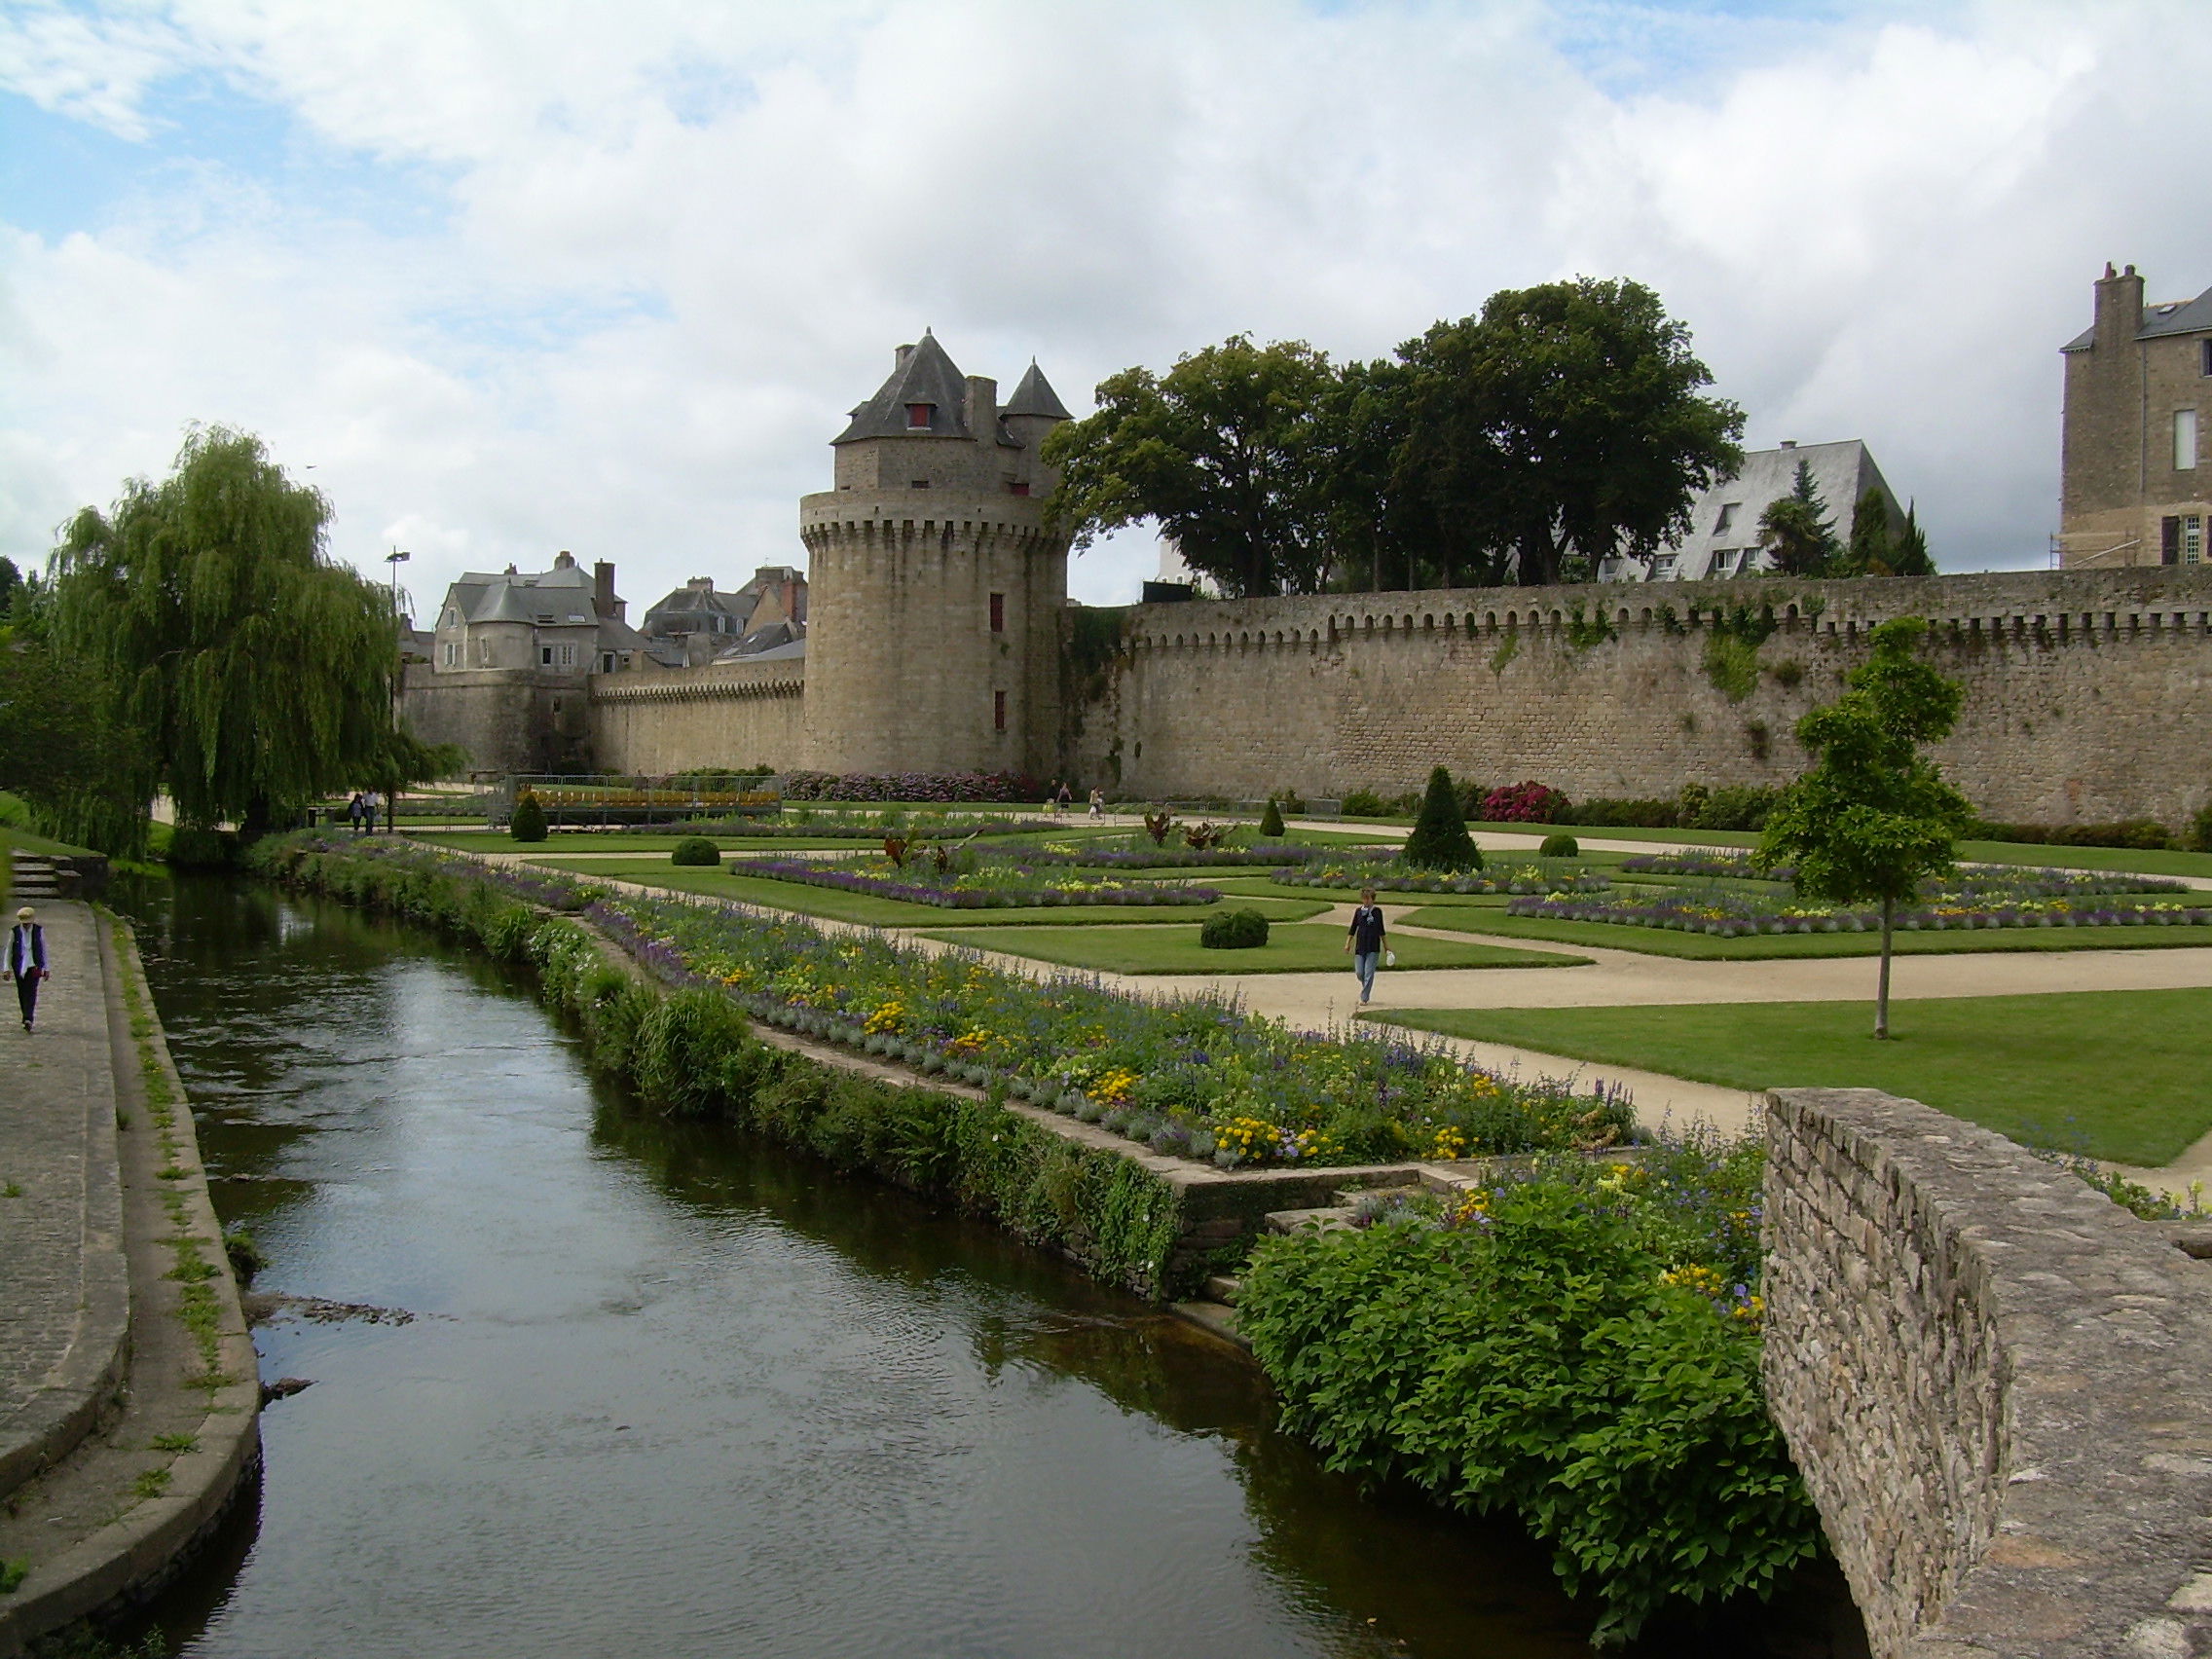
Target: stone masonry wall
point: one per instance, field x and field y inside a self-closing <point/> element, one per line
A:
<point x="2088" y="692"/>
<point x="1993" y="1381"/>
<point x="723" y="715"/>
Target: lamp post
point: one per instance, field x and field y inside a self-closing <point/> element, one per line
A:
<point x="396" y="558"/>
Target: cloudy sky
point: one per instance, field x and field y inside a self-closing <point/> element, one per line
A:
<point x="523" y="276"/>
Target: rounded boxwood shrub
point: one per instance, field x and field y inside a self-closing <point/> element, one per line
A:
<point x="1233" y="930"/>
<point x="1560" y="847"/>
<point x="528" y="824"/>
<point x="696" y="850"/>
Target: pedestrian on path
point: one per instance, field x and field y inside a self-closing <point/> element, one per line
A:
<point x="370" y="802"/>
<point x="1098" y="804"/>
<point x="1364" y="940"/>
<point x="354" y="813"/>
<point x="27" y="961"/>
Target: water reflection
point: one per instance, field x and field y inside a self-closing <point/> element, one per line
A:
<point x="667" y="1391"/>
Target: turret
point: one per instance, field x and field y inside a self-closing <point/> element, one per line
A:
<point x="936" y="593"/>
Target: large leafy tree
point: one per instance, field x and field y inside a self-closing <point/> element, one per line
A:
<point x="1565" y="423"/>
<point x="1227" y="453"/>
<point x="1797" y="533"/>
<point x="248" y="673"/>
<point x="59" y="748"/>
<point x="1874" y="817"/>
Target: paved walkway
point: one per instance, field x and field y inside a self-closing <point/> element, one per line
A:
<point x="64" y="1304"/>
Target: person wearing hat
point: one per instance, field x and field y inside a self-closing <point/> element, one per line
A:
<point x="27" y="961"/>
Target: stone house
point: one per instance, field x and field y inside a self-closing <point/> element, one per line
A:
<point x="558" y="621"/>
<point x="2138" y="386"/>
<point x="698" y="623"/>
<point x="1723" y="538"/>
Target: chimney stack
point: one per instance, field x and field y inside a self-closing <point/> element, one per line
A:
<point x="603" y="592"/>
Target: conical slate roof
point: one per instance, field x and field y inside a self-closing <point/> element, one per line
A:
<point x="924" y="375"/>
<point x="1034" y="396"/>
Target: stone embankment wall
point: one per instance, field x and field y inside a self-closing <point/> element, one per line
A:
<point x="1994" y="1382"/>
<point x="2088" y="694"/>
<point x="719" y="715"/>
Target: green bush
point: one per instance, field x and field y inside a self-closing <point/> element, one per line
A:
<point x="696" y="850"/>
<point x="1440" y="839"/>
<point x="1271" y="822"/>
<point x="1572" y="1350"/>
<point x="1631" y="814"/>
<point x="1233" y="930"/>
<point x="1735" y="806"/>
<point x="2200" y="830"/>
<point x="1560" y="847"/>
<point x="1364" y="803"/>
<point x="528" y="824"/>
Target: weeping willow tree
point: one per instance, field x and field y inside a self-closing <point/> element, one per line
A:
<point x="250" y="673"/>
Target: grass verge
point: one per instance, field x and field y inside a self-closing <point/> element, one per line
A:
<point x="1760" y="948"/>
<point x="1294" y="949"/>
<point x="2116" y="1074"/>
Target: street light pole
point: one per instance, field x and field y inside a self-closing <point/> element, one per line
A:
<point x="396" y="558"/>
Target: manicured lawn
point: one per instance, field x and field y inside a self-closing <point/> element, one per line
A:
<point x="1315" y="949"/>
<point x="867" y="908"/>
<point x="2117" y="1075"/>
<point x="499" y="841"/>
<point x="1705" y="947"/>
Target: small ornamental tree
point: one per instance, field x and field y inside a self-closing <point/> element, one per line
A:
<point x="527" y="820"/>
<point x="1271" y="822"/>
<point x="1874" y="817"/>
<point x="1440" y="839"/>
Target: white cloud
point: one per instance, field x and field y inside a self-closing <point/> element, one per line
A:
<point x="622" y="269"/>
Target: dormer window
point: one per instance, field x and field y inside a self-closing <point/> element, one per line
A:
<point x="1727" y="517"/>
<point x="919" y="417"/>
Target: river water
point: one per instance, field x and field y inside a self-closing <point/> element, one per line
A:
<point x="584" y="1382"/>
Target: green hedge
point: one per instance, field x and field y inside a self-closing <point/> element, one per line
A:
<point x="1579" y="1349"/>
<point x="691" y="1054"/>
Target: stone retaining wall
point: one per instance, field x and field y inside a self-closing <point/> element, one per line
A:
<point x="1997" y="1383"/>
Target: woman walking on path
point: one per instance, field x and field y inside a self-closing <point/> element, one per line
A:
<point x="27" y="961"/>
<point x="1098" y="804"/>
<point x="1364" y="940"/>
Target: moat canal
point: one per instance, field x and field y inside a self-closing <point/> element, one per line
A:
<point x="585" y="1382"/>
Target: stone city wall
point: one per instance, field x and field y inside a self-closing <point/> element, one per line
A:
<point x="507" y="720"/>
<point x="2088" y="694"/>
<point x="721" y="714"/>
<point x="1992" y="1379"/>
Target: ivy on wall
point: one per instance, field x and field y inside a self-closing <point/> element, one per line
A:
<point x="1732" y="643"/>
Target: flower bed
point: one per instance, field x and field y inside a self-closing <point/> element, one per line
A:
<point x="1733" y="913"/>
<point x="1718" y="864"/>
<point x="1171" y="858"/>
<point x="948" y="787"/>
<point x="988" y="887"/>
<point x="1195" y="1077"/>
<point x="1542" y="877"/>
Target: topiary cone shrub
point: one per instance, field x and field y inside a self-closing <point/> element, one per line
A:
<point x="1271" y="822"/>
<point x="529" y="820"/>
<point x="1440" y="839"/>
<point x="1233" y="930"/>
<point x="1560" y="847"/>
<point x="696" y="850"/>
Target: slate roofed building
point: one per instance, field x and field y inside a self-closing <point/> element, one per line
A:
<point x="700" y="623"/>
<point x="560" y="621"/>
<point x="1723" y="538"/>
<point x="2135" y="472"/>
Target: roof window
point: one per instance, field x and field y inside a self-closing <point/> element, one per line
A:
<point x="919" y="417"/>
<point x="1728" y="517"/>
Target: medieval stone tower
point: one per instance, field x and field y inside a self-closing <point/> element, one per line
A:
<point x="936" y="591"/>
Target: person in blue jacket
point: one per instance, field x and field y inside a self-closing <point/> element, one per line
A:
<point x="27" y="961"/>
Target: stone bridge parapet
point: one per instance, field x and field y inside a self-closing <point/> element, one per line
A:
<point x="1997" y="1383"/>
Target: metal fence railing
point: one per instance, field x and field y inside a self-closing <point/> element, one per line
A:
<point x="607" y="799"/>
